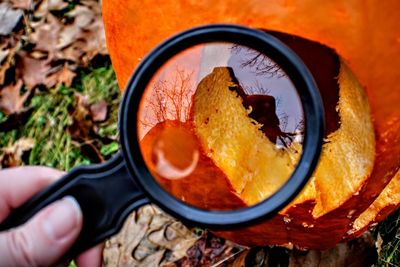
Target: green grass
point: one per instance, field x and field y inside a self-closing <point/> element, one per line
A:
<point x="51" y="116"/>
<point x="49" y="121"/>
<point x="389" y="231"/>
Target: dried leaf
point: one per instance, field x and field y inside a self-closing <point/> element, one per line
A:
<point x="209" y="250"/>
<point x="82" y="17"/>
<point x="63" y="74"/>
<point x="85" y="38"/>
<point x="83" y="129"/>
<point x="24" y="4"/>
<point x="149" y="237"/>
<point x="379" y="243"/>
<point x="12" y="154"/>
<point x="9" y="18"/>
<point x="94" y="37"/>
<point x="357" y="253"/>
<point x="82" y="125"/>
<point x="75" y="52"/>
<point x="4" y="53"/>
<point x="50" y="5"/>
<point x="46" y="35"/>
<point x="240" y="260"/>
<point x="32" y="71"/>
<point x="99" y="111"/>
<point x="11" y="100"/>
<point x="8" y="50"/>
<point x="36" y="71"/>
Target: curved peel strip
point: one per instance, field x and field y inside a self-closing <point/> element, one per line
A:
<point x="349" y="153"/>
<point x="254" y="166"/>
<point x="386" y="202"/>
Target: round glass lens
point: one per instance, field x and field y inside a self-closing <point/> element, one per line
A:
<point x="220" y="126"/>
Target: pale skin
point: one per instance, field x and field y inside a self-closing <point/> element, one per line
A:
<point x="44" y="239"/>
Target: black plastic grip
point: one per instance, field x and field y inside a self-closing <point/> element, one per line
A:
<point x="105" y="192"/>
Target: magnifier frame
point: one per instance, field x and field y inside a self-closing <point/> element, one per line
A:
<point x="299" y="75"/>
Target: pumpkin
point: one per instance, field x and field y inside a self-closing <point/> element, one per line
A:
<point x="365" y="38"/>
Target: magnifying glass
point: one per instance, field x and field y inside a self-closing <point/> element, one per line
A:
<point x="221" y="126"/>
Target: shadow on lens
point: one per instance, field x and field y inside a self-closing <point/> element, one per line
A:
<point x="221" y="126"/>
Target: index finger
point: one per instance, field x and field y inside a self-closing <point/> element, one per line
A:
<point x="19" y="184"/>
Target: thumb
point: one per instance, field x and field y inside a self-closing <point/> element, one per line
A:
<point x="45" y="238"/>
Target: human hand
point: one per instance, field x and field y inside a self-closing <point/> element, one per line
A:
<point x="44" y="239"/>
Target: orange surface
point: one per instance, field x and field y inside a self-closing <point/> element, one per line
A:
<point x="365" y="33"/>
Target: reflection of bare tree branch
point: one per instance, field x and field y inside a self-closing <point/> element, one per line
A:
<point x="300" y="126"/>
<point x="286" y="138"/>
<point x="283" y="119"/>
<point x="259" y="89"/>
<point x="260" y="63"/>
<point x="168" y="99"/>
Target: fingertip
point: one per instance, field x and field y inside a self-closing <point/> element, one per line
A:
<point x="61" y="219"/>
<point x="44" y="239"/>
<point x="18" y="184"/>
<point x="92" y="257"/>
<point x="42" y="171"/>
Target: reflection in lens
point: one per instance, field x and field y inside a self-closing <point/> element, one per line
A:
<point x="220" y="126"/>
<point x="175" y="153"/>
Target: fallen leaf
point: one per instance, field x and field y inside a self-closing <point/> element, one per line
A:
<point x="94" y="36"/>
<point x="75" y="53"/>
<point x="37" y="71"/>
<point x="82" y="125"/>
<point x="32" y="71"/>
<point x="240" y="260"/>
<point x="209" y="250"/>
<point x="5" y="66"/>
<point x="9" y="18"/>
<point x="82" y="17"/>
<point x="356" y="253"/>
<point x="12" y="154"/>
<point x="4" y="53"/>
<point x="379" y="243"/>
<point x="50" y="5"/>
<point x="92" y="4"/>
<point x="149" y="237"/>
<point x="83" y="129"/>
<point x="99" y="111"/>
<point x="62" y="74"/>
<point x="24" y="4"/>
<point x="11" y="100"/>
<point x="8" y="49"/>
<point x="46" y="35"/>
<point x="86" y="39"/>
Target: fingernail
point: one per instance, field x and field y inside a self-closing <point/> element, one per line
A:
<point x="62" y="218"/>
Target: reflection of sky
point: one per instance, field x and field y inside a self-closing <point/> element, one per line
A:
<point x="289" y="108"/>
<point x="198" y="62"/>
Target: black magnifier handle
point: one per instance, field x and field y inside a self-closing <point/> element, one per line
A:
<point x="105" y="192"/>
